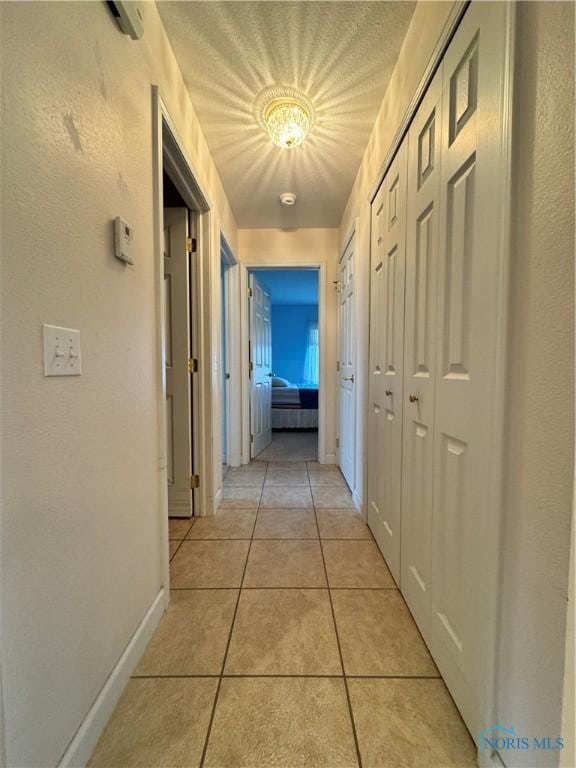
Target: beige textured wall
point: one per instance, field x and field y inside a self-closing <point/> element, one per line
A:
<point x="540" y="447"/>
<point x="423" y="33"/>
<point x="81" y="558"/>
<point x="276" y="247"/>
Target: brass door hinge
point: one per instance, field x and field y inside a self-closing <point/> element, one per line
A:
<point x="337" y="442"/>
<point x="193" y="365"/>
<point x="250" y="292"/>
<point x="251" y="438"/>
<point x="195" y="481"/>
<point x="191" y="244"/>
<point x="337" y="365"/>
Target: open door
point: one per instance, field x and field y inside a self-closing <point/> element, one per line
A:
<point x="260" y="367"/>
<point x="177" y="247"/>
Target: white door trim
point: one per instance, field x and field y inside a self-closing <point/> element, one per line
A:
<point x="163" y="128"/>
<point x="323" y="457"/>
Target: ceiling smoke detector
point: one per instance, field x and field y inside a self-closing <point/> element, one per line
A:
<point x="288" y="199"/>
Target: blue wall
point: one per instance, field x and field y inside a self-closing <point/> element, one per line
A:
<point x="290" y="339"/>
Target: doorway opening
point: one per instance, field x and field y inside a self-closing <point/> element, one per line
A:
<point x="284" y="363"/>
<point x="180" y="225"/>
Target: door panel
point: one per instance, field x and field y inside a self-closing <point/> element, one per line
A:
<point x="347" y="376"/>
<point x="420" y="352"/>
<point x="387" y="352"/>
<point x="177" y="346"/>
<point x="261" y="366"/>
<point x="470" y="274"/>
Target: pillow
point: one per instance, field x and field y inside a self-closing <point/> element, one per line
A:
<point x="278" y="381"/>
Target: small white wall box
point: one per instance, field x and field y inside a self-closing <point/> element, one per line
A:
<point x="62" y="356"/>
<point x="123" y="240"/>
<point x="128" y="16"/>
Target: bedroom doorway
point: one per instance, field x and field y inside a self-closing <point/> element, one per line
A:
<point x="284" y="363"/>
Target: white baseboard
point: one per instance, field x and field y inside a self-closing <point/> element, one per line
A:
<point x="357" y="499"/>
<point x="86" y="737"/>
<point x="329" y="458"/>
<point x="218" y="499"/>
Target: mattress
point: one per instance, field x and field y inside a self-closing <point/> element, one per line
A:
<point x="286" y="397"/>
<point x="295" y="397"/>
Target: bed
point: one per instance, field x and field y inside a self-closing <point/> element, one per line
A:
<point x="294" y="406"/>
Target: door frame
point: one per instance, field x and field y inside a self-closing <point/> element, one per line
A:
<point x="358" y="411"/>
<point x="168" y="153"/>
<point x="232" y="361"/>
<point x="245" y="339"/>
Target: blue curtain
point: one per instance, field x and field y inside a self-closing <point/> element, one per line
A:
<point x="312" y="360"/>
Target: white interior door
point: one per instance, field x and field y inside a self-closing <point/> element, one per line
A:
<point x="347" y="384"/>
<point x="420" y="352"/>
<point x="177" y="346"/>
<point x="260" y="366"/>
<point x="387" y="352"/>
<point x="468" y="371"/>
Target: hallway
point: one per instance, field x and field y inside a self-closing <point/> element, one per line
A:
<point x="287" y="384"/>
<point x="291" y="445"/>
<point x="286" y="643"/>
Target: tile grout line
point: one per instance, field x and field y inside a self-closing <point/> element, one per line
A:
<point x="221" y="676"/>
<point x="182" y="540"/>
<point x="346" y="689"/>
<point x="322" y="589"/>
<point x="273" y="675"/>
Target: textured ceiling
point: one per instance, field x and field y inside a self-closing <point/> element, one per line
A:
<point x="341" y="54"/>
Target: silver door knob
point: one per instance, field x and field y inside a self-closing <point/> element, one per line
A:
<point x="349" y="378"/>
<point x="413" y="398"/>
<point x="388" y="393"/>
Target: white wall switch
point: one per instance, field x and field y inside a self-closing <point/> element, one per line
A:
<point x="62" y="356"/>
<point x="123" y="241"/>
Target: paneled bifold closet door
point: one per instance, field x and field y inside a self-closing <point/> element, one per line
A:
<point x="471" y="282"/>
<point x="420" y="351"/>
<point x="388" y="259"/>
<point x="436" y="355"/>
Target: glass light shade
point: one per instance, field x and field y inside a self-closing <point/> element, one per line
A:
<point x="287" y="121"/>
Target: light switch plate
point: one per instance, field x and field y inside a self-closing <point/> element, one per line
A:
<point x="62" y="356"/>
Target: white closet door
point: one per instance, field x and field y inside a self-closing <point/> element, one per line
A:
<point x="420" y="352"/>
<point x="387" y="344"/>
<point x="261" y="366"/>
<point x="347" y="356"/>
<point x="470" y="301"/>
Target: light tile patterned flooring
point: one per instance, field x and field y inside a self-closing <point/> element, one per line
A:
<point x="286" y="644"/>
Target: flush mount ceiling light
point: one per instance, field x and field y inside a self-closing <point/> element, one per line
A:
<point x="286" y="115"/>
